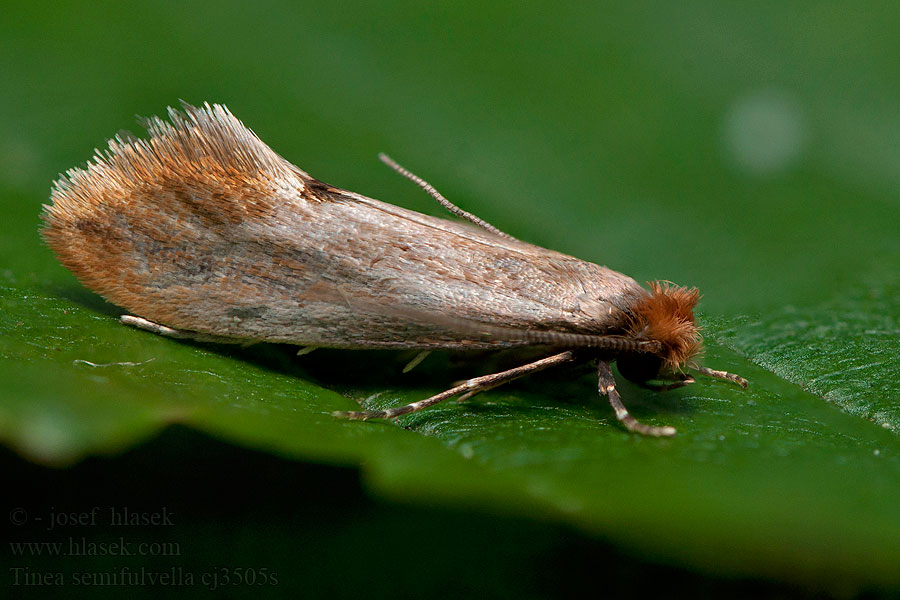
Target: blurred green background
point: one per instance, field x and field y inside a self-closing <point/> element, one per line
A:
<point x="748" y="150"/>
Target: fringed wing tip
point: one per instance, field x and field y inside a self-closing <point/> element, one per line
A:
<point x="206" y="140"/>
<point x="209" y="131"/>
<point x="203" y="147"/>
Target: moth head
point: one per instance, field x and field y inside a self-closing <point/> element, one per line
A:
<point x="664" y="315"/>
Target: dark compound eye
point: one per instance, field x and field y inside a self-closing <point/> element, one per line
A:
<point x="639" y="367"/>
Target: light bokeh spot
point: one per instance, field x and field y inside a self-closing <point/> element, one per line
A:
<point x="764" y="132"/>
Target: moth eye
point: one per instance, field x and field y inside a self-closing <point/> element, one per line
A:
<point x="639" y="367"/>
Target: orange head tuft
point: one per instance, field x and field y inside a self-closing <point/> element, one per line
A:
<point x="666" y="315"/>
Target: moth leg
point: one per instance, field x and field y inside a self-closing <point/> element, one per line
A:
<point x="429" y="189"/>
<point x="178" y="334"/>
<point x="607" y="386"/>
<point x="472" y="385"/>
<point x="723" y="375"/>
<point x="483" y="388"/>
<point x="681" y="382"/>
<point x="468" y="395"/>
<point x="417" y="359"/>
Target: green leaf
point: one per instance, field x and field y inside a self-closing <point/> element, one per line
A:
<point x="724" y="493"/>
<point x="845" y="350"/>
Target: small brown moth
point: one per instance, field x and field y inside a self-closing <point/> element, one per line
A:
<point x="206" y="233"/>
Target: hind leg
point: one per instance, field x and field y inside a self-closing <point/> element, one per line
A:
<point x="466" y="388"/>
<point x="178" y="334"/>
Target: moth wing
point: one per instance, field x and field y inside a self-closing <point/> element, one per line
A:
<point x="202" y="227"/>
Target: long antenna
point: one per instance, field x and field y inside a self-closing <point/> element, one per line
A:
<point x="429" y="189"/>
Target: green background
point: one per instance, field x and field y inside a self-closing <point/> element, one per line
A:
<point x="750" y="151"/>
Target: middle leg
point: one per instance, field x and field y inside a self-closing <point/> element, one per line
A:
<point x="467" y="387"/>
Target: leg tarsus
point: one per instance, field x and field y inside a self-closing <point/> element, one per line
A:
<point x="685" y="380"/>
<point x="722" y="375"/>
<point x="607" y="387"/>
<point x="466" y="388"/>
<point x="152" y="327"/>
<point x="180" y="334"/>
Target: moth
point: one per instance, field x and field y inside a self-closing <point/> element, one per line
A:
<point x="203" y="232"/>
